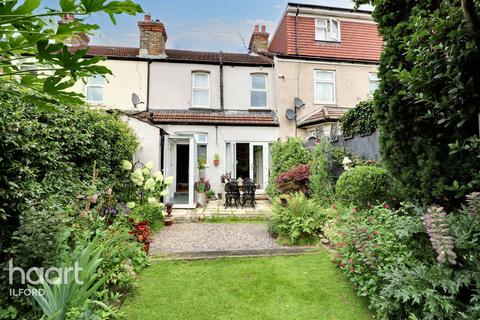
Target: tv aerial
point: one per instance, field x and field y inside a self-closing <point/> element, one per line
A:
<point x="136" y="100"/>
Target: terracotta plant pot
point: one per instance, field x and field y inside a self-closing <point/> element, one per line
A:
<point x="216" y="162"/>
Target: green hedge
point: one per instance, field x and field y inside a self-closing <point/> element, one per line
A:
<point x="46" y="159"/>
<point x="359" y="120"/>
<point x="363" y="185"/>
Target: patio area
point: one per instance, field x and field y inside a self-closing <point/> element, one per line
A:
<point x="215" y="208"/>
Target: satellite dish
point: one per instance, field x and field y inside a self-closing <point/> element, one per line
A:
<point x="290" y="114"/>
<point x="136" y="100"/>
<point x="298" y="103"/>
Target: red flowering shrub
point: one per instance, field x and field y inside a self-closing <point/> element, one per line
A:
<point x="142" y="232"/>
<point x="295" y="180"/>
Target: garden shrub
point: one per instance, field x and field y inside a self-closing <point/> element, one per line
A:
<point x="322" y="179"/>
<point x="359" y="120"/>
<point x="299" y="221"/>
<point x="364" y="185"/>
<point x="294" y="180"/>
<point x="46" y="160"/>
<point x="427" y="103"/>
<point x="389" y="257"/>
<point x="285" y="156"/>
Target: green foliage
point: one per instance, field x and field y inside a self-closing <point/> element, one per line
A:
<point x="322" y="179"/>
<point x="428" y="97"/>
<point x="388" y="256"/>
<point x="45" y="162"/>
<point x="68" y="292"/>
<point x="201" y="163"/>
<point x="286" y="155"/>
<point x="364" y="185"/>
<point x="31" y="32"/>
<point x="299" y="221"/>
<point x="148" y="212"/>
<point x="359" y="120"/>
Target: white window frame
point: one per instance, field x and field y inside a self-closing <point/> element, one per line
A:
<point x="201" y="88"/>
<point x="201" y="139"/>
<point x="329" y="36"/>
<point x="259" y="90"/>
<point x="372" y="80"/>
<point x="102" y="86"/>
<point x="315" y="81"/>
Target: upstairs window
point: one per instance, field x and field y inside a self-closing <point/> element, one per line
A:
<point x="94" y="89"/>
<point x="258" y="91"/>
<point x="200" y="89"/>
<point x="324" y="87"/>
<point x="373" y="82"/>
<point x="327" y="29"/>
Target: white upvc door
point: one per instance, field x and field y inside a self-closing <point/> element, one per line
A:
<point x="259" y="164"/>
<point x="170" y="168"/>
<point x="231" y="158"/>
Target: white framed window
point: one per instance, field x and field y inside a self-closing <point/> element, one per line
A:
<point x="327" y="29"/>
<point x="258" y="90"/>
<point x="324" y="87"/>
<point x="200" y="89"/>
<point x="202" y="146"/>
<point x="94" y="89"/>
<point x="373" y="82"/>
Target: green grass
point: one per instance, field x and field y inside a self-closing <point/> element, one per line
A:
<point x="288" y="287"/>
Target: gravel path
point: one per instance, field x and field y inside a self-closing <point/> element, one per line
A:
<point x="198" y="237"/>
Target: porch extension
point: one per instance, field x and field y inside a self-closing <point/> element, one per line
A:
<point x="215" y="208"/>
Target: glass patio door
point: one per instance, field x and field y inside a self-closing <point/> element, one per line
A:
<point x="259" y="164"/>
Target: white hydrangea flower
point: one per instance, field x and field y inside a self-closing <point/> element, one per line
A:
<point x="346" y="161"/>
<point x="168" y="180"/>
<point x="126" y="165"/>
<point x="131" y="205"/>
<point x="146" y="171"/>
<point x="152" y="200"/>
<point x="150" y="184"/>
<point x="158" y="176"/>
<point x="164" y="193"/>
<point x="149" y="165"/>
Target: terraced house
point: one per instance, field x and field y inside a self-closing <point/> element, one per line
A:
<point x="328" y="57"/>
<point x="230" y="107"/>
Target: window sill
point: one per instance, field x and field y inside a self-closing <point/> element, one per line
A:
<point x="259" y="109"/>
<point x="329" y="41"/>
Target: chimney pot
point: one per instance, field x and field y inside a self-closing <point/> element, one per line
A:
<point x="259" y="40"/>
<point x="147" y="17"/>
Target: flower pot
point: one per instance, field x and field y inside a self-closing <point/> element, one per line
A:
<point x="201" y="198"/>
<point x="216" y="162"/>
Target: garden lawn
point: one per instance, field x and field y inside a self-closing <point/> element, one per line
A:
<point x="288" y="287"/>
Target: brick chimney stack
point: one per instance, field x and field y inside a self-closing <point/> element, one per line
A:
<point x="80" y="39"/>
<point x="259" y="39"/>
<point x="153" y="38"/>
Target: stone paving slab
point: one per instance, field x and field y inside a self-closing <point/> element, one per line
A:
<point x="202" y="237"/>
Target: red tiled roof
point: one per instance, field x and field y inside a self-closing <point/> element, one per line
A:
<point x="175" y="55"/>
<point x="325" y="114"/>
<point x="360" y="41"/>
<point x="210" y="117"/>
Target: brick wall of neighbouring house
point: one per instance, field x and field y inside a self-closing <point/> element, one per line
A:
<point x="359" y="40"/>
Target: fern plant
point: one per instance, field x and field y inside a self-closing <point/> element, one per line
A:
<point x="299" y="221"/>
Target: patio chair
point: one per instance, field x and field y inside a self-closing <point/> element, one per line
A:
<point x="232" y="193"/>
<point x="249" y="192"/>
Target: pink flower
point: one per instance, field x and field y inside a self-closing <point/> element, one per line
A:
<point x="350" y="261"/>
<point x="342" y="265"/>
<point x="354" y="210"/>
<point x="386" y="206"/>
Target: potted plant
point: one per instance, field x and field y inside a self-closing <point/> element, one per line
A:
<point x="201" y="193"/>
<point x="141" y="231"/>
<point x="216" y="159"/>
<point x="201" y="167"/>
